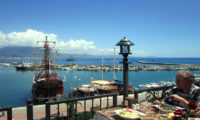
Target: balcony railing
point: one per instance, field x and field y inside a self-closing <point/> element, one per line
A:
<point x="74" y="101"/>
<point x="105" y="98"/>
<point x="154" y="92"/>
<point x="9" y="112"/>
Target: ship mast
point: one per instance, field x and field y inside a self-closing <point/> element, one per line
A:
<point x="46" y="57"/>
<point x="46" y="61"/>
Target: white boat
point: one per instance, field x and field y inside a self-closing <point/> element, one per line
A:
<point x="153" y="85"/>
<point x="66" y="68"/>
<point x="84" y="90"/>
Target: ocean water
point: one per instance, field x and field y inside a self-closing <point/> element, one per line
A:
<point x="15" y="86"/>
<point x="110" y="61"/>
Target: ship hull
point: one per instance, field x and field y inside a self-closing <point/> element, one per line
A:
<point x="47" y="90"/>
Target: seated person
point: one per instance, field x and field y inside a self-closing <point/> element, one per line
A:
<point x="184" y="92"/>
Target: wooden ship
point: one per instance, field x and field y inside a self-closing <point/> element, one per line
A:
<point x="47" y="84"/>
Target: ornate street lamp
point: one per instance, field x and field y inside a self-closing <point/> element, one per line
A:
<point x="125" y="51"/>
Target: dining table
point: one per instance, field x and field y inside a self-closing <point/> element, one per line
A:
<point x="150" y="113"/>
<point x="110" y="114"/>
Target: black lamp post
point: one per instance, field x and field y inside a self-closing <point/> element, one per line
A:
<point x="125" y="51"/>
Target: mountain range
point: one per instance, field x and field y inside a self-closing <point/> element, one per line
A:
<point x="16" y="51"/>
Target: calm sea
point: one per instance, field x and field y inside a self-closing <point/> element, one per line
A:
<point x="15" y="86"/>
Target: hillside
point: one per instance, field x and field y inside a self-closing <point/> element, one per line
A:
<point x="15" y="51"/>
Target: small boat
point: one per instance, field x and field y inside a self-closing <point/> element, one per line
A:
<point x="111" y="86"/>
<point x="159" y="84"/>
<point x="70" y="59"/>
<point x="20" y="67"/>
<point x="86" y="90"/>
<point x="25" y="66"/>
<point x="151" y="85"/>
<point x="47" y="85"/>
<point x="108" y="86"/>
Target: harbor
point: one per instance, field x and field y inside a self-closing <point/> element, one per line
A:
<point x="89" y="84"/>
<point x="143" y="76"/>
<point x="99" y="60"/>
<point x="92" y="67"/>
<point x="88" y="81"/>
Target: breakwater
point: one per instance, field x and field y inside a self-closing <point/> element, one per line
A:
<point x="156" y="63"/>
<point x="89" y="67"/>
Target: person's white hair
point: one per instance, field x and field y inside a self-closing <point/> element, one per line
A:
<point x="187" y="74"/>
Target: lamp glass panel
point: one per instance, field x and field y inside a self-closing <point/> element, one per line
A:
<point x="125" y="49"/>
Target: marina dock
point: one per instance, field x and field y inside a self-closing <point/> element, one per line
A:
<point x="150" y="67"/>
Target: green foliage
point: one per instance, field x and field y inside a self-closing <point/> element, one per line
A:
<point x="71" y="105"/>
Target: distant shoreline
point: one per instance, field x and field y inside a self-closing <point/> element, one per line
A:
<point x="89" y="67"/>
<point x="24" y="57"/>
<point x="130" y="57"/>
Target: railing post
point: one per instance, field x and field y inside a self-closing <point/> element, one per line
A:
<point x="85" y="110"/>
<point x="76" y="111"/>
<point x="100" y="103"/>
<point x="136" y="96"/>
<point x="115" y="100"/>
<point x="92" y="109"/>
<point x="29" y="108"/>
<point x="107" y="102"/>
<point x="9" y="114"/>
<point x="58" y="107"/>
<point x="48" y="111"/>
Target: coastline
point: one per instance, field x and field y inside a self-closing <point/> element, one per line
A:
<point x="91" y="67"/>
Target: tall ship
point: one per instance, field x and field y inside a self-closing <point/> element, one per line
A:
<point x="47" y="84"/>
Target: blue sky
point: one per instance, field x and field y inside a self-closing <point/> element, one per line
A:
<point x="161" y="28"/>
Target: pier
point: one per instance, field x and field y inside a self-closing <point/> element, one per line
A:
<point x="143" y="62"/>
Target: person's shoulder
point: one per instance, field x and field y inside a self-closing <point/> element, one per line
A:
<point x="196" y="87"/>
<point x="196" y="93"/>
<point x="196" y="90"/>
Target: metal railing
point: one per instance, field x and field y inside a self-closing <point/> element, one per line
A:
<point x="9" y="112"/>
<point x="73" y="101"/>
<point x="154" y="91"/>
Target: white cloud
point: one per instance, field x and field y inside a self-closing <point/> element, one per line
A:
<point x="27" y="38"/>
<point x="83" y="47"/>
<point x="30" y="38"/>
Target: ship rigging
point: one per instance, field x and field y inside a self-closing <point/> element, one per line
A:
<point x="47" y="84"/>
